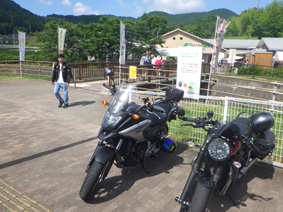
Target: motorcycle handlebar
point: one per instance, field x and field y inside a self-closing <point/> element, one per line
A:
<point x="255" y="148"/>
<point x="106" y="86"/>
<point x="188" y="119"/>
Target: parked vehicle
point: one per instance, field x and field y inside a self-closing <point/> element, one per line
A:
<point x="226" y="154"/>
<point x="130" y="133"/>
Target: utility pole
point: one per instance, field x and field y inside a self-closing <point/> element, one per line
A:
<point x="258" y="5"/>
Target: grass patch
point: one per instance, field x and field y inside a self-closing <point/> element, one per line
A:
<point x="5" y="77"/>
<point x="198" y="109"/>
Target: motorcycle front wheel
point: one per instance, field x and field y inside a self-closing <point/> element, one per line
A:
<point x="199" y="199"/>
<point x="188" y="194"/>
<point x="93" y="177"/>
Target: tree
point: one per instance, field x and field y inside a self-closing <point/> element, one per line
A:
<point x="204" y="28"/>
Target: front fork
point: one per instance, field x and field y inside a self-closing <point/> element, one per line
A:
<point x="197" y="162"/>
<point x="102" y="153"/>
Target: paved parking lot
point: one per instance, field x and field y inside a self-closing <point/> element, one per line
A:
<point x="44" y="151"/>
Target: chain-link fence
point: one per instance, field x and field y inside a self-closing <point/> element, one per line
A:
<point x="225" y="109"/>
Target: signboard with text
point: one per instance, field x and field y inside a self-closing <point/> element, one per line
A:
<point x="189" y="71"/>
<point x="133" y="72"/>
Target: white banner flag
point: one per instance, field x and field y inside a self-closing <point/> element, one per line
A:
<point x="22" y="44"/>
<point x="232" y="56"/>
<point x="220" y="31"/>
<point x="189" y="71"/>
<point x="122" y="59"/>
<point x="61" y="39"/>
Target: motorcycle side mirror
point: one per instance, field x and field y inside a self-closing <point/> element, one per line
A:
<point x="210" y="114"/>
<point x="109" y="72"/>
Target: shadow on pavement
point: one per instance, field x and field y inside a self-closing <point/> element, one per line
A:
<point x="82" y="103"/>
<point x="240" y="190"/>
<point x="41" y="154"/>
<point x="112" y="187"/>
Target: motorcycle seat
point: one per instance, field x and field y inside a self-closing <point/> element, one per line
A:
<point x="244" y="126"/>
<point x="165" y="107"/>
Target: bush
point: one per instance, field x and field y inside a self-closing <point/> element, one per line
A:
<point x="250" y="70"/>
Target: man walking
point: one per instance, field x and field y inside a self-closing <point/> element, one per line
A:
<point x="62" y="75"/>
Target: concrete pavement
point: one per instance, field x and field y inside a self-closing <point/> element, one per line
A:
<point x="44" y="151"/>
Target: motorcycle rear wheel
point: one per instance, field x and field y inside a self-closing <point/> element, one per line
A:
<point x="199" y="199"/>
<point x="93" y="177"/>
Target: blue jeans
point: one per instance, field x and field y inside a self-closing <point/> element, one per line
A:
<point x="65" y="92"/>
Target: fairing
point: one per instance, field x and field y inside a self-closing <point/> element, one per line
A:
<point x="118" y="106"/>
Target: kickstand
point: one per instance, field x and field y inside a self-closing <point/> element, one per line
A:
<point x="236" y="204"/>
<point x="142" y="165"/>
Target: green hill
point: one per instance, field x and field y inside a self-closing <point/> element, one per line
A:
<point x="190" y="18"/>
<point x="13" y="17"/>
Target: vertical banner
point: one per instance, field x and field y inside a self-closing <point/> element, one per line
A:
<point x="220" y="31"/>
<point x="189" y="71"/>
<point x="232" y="57"/>
<point x="122" y="44"/>
<point x="61" y="39"/>
<point x="22" y="44"/>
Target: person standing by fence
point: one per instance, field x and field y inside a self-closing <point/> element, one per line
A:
<point x="62" y="75"/>
<point x="158" y="64"/>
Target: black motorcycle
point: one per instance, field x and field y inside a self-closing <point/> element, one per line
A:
<point x="227" y="153"/>
<point x="130" y="133"/>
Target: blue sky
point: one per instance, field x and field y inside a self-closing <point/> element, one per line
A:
<point x="134" y="8"/>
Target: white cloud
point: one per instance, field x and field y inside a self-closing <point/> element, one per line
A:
<point x="139" y="11"/>
<point x="177" y="6"/>
<point x="67" y="3"/>
<point x="81" y="9"/>
<point x="47" y="3"/>
<point x="121" y="3"/>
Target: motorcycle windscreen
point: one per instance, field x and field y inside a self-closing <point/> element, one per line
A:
<point x="118" y="105"/>
<point x="121" y="99"/>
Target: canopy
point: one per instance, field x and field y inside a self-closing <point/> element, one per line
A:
<point x="278" y="56"/>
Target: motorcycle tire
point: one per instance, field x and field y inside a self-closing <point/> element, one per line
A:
<point x="188" y="197"/>
<point x="93" y="177"/>
<point x="199" y="199"/>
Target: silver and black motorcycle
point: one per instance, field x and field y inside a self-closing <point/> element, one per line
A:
<point x="227" y="153"/>
<point x="130" y="132"/>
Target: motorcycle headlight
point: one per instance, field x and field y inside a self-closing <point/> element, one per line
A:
<point x="219" y="149"/>
<point x="110" y="120"/>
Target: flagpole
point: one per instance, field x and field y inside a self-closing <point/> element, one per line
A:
<point x="210" y="71"/>
<point x="120" y="58"/>
<point x="119" y="73"/>
<point x="21" y="68"/>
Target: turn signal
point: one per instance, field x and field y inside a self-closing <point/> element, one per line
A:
<point x="104" y="103"/>
<point x="135" y="116"/>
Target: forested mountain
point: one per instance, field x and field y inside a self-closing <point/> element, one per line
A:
<point x="190" y="18"/>
<point x="85" y="19"/>
<point x="187" y="18"/>
<point x="14" y="17"/>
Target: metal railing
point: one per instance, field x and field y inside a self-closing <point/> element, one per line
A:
<point x="225" y="109"/>
<point x="151" y="77"/>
